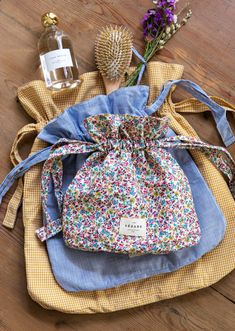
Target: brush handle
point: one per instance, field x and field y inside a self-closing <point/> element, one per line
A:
<point x="111" y="85"/>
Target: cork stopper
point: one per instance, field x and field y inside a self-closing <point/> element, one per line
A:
<point x="49" y="19"/>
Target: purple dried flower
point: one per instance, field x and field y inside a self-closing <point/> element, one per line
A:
<point x="157" y="18"/>
<point x="159" y="25"/>
<point x="165" y="3"/>
<point x="169" y="15"/>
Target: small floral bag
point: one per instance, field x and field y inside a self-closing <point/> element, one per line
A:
<point x="130" y="196"/>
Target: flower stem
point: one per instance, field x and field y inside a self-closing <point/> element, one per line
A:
<point x="156" y="44"/>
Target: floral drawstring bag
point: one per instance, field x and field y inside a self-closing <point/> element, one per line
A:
<point x="130" y="196"/>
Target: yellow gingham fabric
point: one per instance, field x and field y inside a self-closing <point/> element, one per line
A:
<point x="43" y="105"/>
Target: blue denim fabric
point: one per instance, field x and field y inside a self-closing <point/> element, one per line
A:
<point x="77" y="270"/>
<point x="218" y="112"/>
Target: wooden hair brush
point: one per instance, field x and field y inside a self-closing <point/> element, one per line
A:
<point x="113" y="52"/>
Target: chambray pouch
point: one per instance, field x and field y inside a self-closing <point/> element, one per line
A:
<point x="75" y="270"/>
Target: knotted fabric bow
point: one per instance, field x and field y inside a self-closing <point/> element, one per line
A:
<point x="130" y="196"/>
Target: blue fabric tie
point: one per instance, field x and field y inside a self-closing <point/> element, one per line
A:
<point x="144" y="64"/>
<point x="218" y="112"/>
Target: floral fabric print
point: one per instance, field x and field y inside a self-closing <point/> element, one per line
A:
<point x="129" y="174"/>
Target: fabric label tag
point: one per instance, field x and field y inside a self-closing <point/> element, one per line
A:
<point x="59" y="58"/>
<point x="133" y="226"/>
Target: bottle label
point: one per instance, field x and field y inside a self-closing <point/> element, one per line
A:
<point x="133" y="226"/>
<point x="59" y="58"/>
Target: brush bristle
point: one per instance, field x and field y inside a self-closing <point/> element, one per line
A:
<point x="113" y="51"/>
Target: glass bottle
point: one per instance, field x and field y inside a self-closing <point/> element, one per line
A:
<point x="58" y="63"/>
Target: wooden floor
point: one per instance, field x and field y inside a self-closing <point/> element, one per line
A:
<point x="206" y="47"/>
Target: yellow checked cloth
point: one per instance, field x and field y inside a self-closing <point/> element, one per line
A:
<point x="43" y="105"/>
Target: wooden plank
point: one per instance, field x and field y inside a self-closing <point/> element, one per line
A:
<point x="226" y="286"/>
